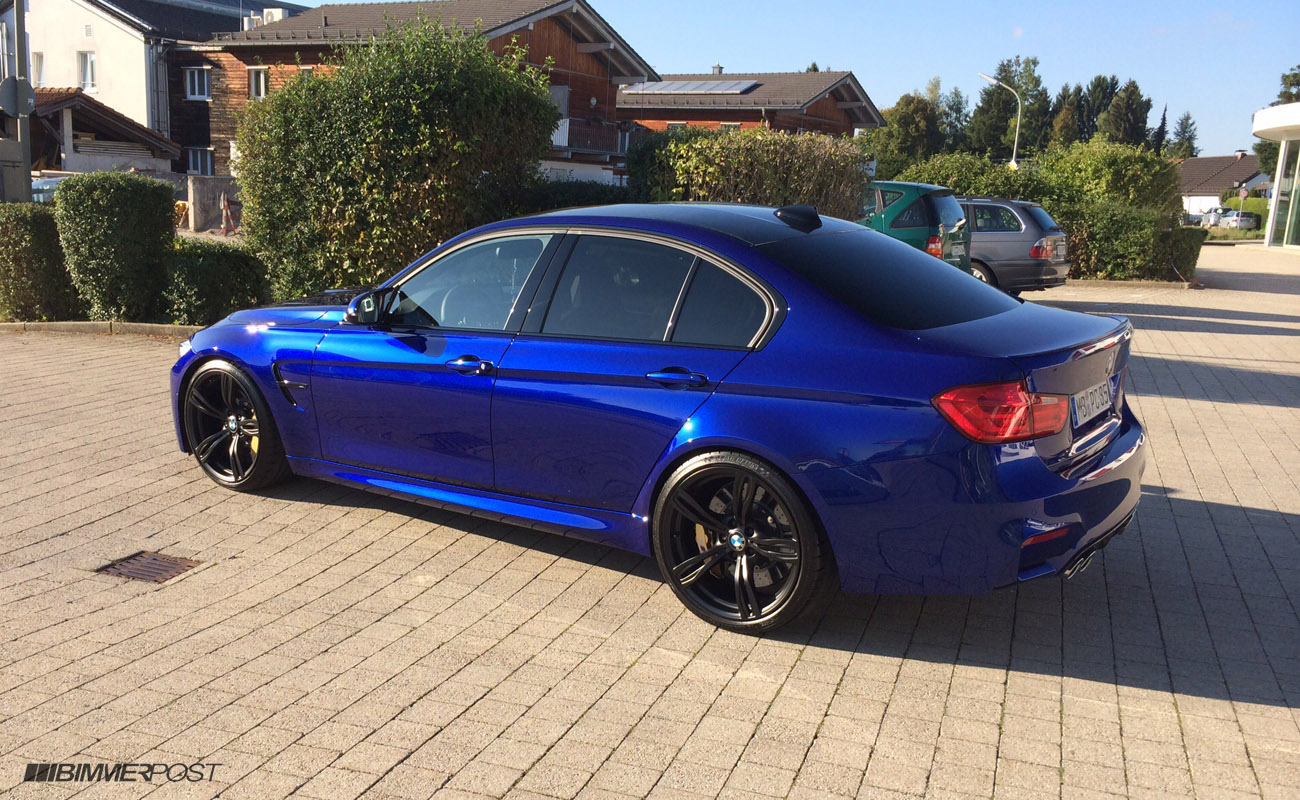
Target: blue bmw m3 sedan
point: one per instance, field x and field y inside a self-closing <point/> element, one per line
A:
<point x="768" y="402"/>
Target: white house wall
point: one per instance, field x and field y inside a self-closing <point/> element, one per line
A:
<point x="56" y="29"/>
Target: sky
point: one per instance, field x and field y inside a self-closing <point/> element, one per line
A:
<point x="1220" y="61"/>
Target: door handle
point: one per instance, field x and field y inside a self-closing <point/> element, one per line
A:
<point x="470" y="365"/>
<point x="677" y="376"/>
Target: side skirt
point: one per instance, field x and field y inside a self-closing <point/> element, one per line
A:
<point x="624" y="531"/>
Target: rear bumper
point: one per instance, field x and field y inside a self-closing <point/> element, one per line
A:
<point x="1030" y="274"/>
<point x="965" y="522"/>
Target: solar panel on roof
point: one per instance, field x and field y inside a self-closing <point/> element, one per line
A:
<point x="690" y="87"/>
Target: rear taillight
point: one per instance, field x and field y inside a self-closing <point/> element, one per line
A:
<point x="1041" y="249"/>
<point x="934" y="247"/>
<point x="996" y="413"/>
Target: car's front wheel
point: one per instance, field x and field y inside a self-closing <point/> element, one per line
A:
<point x="229" y="429"/>
<point x="738" y="545"/>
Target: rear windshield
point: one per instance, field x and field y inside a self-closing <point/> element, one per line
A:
<point x="1043" y="219"/>
<point x="946" y="209"/>
<point x="887" y="281"/>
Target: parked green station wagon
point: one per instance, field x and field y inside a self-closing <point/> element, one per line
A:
<point x="927" y="217"/>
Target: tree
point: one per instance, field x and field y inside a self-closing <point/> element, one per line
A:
<point x="995" y="110"/>
<point x="911" y="134"/>
<point x="1125" y="120"/>
<point x="1160" y="136"/>
<point x="1065" y="126"/>
<point x="813" y="67"/>
<point x="1036" y="118"/>
<point x="1289" y="93"/>
<point x="1183" y="145"/>
<point x="1093" y="102"/>
<point x="953" y="118"/>
<point x="349" y="174"/>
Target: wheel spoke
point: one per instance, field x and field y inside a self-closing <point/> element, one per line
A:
<point x="743" y="489"/>
<point x="236" y="465"/>
<point x="228" y="392"/>
<point x="204" y="449"/>
<point x="203" y="406"/>
<point x="746" y="602"/>
<point x="250" y="426"/>
<point x="693" y="511"/>
<point x="695" y="567"/>
<point x="782" y="550"/>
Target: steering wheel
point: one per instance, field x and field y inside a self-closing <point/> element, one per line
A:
<point x="469" y="305"/>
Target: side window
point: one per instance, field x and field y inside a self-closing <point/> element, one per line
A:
<point x="914" y="216"/>
<point x="615" y="288"/>
<point x="889" y="197"/>
<point x="996" y="219"/>
<point x="474" y="287"/>
<point x="720" y="310"/>
<point x="1007" y="219"/>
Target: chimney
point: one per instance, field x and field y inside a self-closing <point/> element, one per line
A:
<point x="1241" y="154"/>
<point x="717" y="69"/>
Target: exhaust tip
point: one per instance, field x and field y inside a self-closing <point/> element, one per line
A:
<point x="1078" y="566"/>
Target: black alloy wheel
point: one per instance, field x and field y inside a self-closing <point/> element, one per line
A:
<point x="230" y="431"/>
<point x="737" y="544"/>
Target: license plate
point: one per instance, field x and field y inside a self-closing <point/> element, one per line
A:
<point x="1090" y="402"/>
<point x="959" y="249"/>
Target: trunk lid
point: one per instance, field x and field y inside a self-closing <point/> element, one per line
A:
<point x="1061" y="352"/>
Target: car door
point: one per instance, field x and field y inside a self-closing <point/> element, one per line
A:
<point x="412" y="395"/>
<point x="636" y="335"/>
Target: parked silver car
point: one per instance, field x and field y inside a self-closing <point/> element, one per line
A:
<point x="1242" y="220"/>
<point x="1015" y="244"/>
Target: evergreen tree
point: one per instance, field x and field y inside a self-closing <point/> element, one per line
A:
<point x="813" y="67"/>
<point x="1065" y="127"/>
<point x="1184" y="139"/>
<point x="1159" y="137"/>
<point x="1094" y="101"/>
<point x="953" y="118"/>
<point x="1126" y="119"/>
<point x="995" y="110"/>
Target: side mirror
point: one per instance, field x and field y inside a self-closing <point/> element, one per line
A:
<point x="367" y="308"/>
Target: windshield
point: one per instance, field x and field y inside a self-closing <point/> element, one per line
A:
<point x="887" y="281"/>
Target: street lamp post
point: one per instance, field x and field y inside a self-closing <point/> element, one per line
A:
<point x="1019" y="108"/>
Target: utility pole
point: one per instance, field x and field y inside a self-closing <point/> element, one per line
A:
<point x="24" y="114"/>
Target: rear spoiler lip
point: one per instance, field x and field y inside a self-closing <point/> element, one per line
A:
<point x="1118" y="336"/>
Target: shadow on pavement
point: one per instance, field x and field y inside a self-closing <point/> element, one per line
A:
<point x="1220" y="383"/>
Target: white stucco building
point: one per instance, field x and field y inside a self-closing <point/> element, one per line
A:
<point x="1281" y="124"/>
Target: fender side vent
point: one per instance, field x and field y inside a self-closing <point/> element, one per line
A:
<point x="152" y="567"/>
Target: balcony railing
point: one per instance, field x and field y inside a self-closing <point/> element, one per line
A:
<point x="583" y="136"/>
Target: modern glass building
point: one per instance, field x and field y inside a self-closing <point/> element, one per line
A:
<point x="1282" y="124"/>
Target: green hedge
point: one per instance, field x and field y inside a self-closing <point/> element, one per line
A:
<point x="1116" y="241"/>
<point x="116" y="232"/>
<point x="650" y="173"/>
<point x="34" y="283"/>
<point x="552" y="195"/>
<point x="759" y="166"/>
<point x="208" y="280"/>
<point x="1183" y="246"/>
<point x="977" y="175"/>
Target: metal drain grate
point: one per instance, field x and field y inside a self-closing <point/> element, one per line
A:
<point x="152" y="567"/>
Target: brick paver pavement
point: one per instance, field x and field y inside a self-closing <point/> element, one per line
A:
<point x="336" y="644"/>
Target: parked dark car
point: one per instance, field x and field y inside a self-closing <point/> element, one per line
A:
<point x="925" y="216"/>
<point x="1015" y="245"/>
<point x="765" y="405"/>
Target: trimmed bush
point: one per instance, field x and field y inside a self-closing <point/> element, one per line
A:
<point x="1116" y="241"/>
<point x="348" y="174"/>
<point x="977" y="175"/>
<point x="209" y="280"/>
<point x="764" y="167"/>
<point x="551" y="195"/>
<point x="650" y="173"/>
<point x="116" y="232"/>
<point x="1184" y="248"/>
<point x="1111" y="171"/>
<point x="34" y="283"/>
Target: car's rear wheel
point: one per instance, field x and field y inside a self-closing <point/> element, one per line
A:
<point x="229" y="429"/>
<point x="738" y="545"/>
<point x="982" y="272"/>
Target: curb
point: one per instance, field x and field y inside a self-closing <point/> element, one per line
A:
<point x="1131" y="284"/>
<point x="110" y="328"/>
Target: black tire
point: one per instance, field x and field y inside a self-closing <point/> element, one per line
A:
<point x="229" y="429"/>
<point x="738" y="545"/>
<point x="982" y="272"/>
